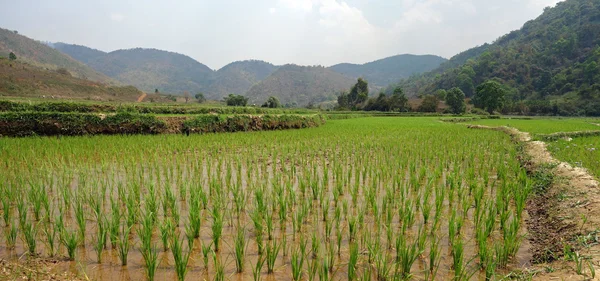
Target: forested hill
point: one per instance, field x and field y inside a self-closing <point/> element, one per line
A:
<point x="41" y="55"/>
<point x="550" y="65"/>
<point x="388" y="70"/>
<point x="300" y="85"/>
<point x="150" y="69"/>
<point x="238" y="77"/>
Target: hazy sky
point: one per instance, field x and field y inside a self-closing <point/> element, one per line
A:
<point x="307" y="32"/>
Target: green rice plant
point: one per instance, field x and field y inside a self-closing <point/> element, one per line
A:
<point x="22" y="208"/>
<point x="406" y="255"/>
<point x="70" y="239"/>
<point x="30" y="237"/>
<point x="123" y="244"/>
<point x="502" y="256"/>
<point x="325" y="269"/>
<point x="100" y="242"/>
<point x="11" y="236"/>
<point x="206" y="250"/>
<point x="194" y="216"/>
<point x="217" y="227"/>
<point x="339" y="237"/>
<point x="219" y="269"/>
<point x="458" y="258"/>
<point x="50" y="233"/>
<point x="315" y="245"/>
<point x="145" y="231"/>
<point x="272" y="250"/>
<point x="166" y="233"/>
<point x="297" y="261"/>
<point x="352" y="228"/>
<point x="353" y="262"/>
<point x="180" y="257"/>
<point x="6" y="208"/>
<point x="383" y="266"/>
<point x="269" y="224"/>
<point x="240" y="248"/>
<point x="434" y="258"/>
<point x="258" y="268"/>
<point x="150" y="256"/>
<point x="312" y="268"/>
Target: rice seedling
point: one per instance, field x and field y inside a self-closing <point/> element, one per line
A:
<point x="30" y="237"/>
<point x="353" y="262"/>
<point x="166" y="233"/>
<point x="100" y="242"/>
<point x="240" y="245"/>
<point x="180" y="257"/>
<point x="50" y="232"/>
<point x="297" y="261"/>
<point x="258" y="268"/>
<point x="217" y="227"/>
<point x="70" y="239"/>
<point x="272" y="250"/>
<point x="219" y="268"/>
<point x="206" y="250"/>
<point x="150" y="256"/>
<point x="123" y="244"/>
<point x="11" y="236"/>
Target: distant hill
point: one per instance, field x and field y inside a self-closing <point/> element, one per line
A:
<point x="300" y="85"/>
<point x="78" y="52"/>
<point x="550" y="66"/>
<point x="389" y="70"/>
<point x="238" y="77"/>
<point x="150" y="69"/>
<point x="39" y="54"/>
<point x="20" y="79"/>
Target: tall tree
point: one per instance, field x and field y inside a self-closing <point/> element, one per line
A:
<point x="12" y="56"/>
<point x="272" y="102"/>
<point x="455" y="99"/>
<point x="429" y="104"/>
<point x="200" y="97"/>
<point x="398" y="100"/>
<point x="489" y="96"/>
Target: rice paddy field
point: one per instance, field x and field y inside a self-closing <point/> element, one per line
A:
<point x="543" y="125"/>
<point x="580" y="151"/>
<point x="357" y="199"/>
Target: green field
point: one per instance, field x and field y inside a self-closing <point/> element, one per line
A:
<point x="376" y="197"/>
<point x="543" y="126"/>
<point x="581" y="152"/>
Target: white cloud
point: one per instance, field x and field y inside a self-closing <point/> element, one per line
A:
<point x="301" y="5"/>
<point x="117" y="17"/>
<point x="272" y="11"/>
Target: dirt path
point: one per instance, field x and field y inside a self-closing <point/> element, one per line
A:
<point x="567" y="212"/>
<point x="142" y="97"/>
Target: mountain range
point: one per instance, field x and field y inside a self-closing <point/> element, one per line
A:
<point x="549" y="66"/>
<point x="167" y="72"/>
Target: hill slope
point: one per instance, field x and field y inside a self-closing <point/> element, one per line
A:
<point x="41" y="55"/>
<point x="238" y="77"/>
<point x="388" y="70"/>
<point x="300" y="85"/>
<point x="550" y="65"/>
<point x="19" y="79"/>
<point x="150" y="69"/>
<point x="81" y="53"/>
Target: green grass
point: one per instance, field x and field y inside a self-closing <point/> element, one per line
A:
<point x="542" y="126"/>
<point x="580" y="152"/>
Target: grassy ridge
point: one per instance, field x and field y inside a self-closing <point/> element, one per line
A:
<point x="20" y="124"/>
<point x="136" y="108"/>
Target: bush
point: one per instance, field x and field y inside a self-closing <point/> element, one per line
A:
<point x="53" y="123"/>
<point x="236" y="123"/>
